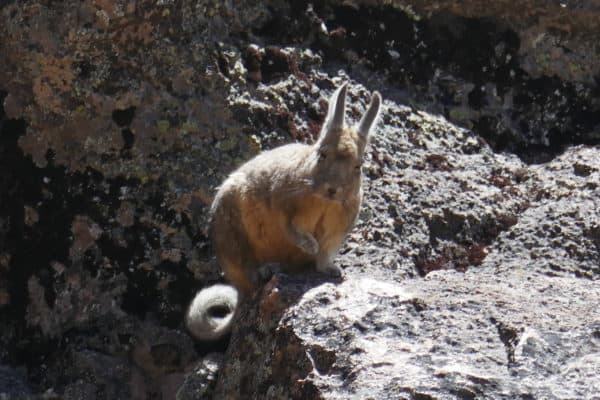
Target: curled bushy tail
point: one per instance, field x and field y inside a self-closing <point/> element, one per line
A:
<point x="210" y="314"/>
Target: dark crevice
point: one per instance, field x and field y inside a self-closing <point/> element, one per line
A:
<point x="29" y="249"/>
<point x="509" y="337"/>
<point x="84" y="69"/>
<point x="37" y="210"/>
<point x="123" y="117"/>
<point x="128" y="138"/>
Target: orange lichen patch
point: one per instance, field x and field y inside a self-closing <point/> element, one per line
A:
<point x="174" y="255"/>
<point x="183" y="80"/>
<point x="31" y="216"/>
<point x="143" y="32"/>
<point x="38" y="307"/>
<point x="110" y="13"/>
<point x="108" y="6"/>
<point x="72" y="141"/>
<point x="182" y="203"/>
<point x="82" y="42"/>
<point x="133" y="34"/>
<point x="203" y="196"/>
<point x="186" y="203"/>
<point x="85" y="233"/>
<point x="101" y="104"/>
<point x="126" y="214"/>
<point x="13" y="106"/>
<point x="54" y="80"/>
<point x="42" y="37"/>
<point x="167" y="231"/>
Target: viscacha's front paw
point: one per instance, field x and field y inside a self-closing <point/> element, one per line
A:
<point x="328" y="267"/>
<point x="308" y="244"/>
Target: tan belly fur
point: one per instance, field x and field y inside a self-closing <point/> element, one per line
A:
<point x="266" y="229"/>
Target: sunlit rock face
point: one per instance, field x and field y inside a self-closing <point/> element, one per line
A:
<point x="473" y="267"/>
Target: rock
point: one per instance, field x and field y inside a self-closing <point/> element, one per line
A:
<point x="454" y="334"/>
<point x="200" y="382"/>
<point x="13" y="384"/>
<point x="557" y="233"/>
<point x="477" y="248"/>
<point x="509" y="325"/>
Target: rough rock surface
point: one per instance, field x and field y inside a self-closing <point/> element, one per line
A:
<point x="507" y="306"/>
<point x="453" y="335"/>
<point x="13" y="385"/>
<point x="472" y="272"/>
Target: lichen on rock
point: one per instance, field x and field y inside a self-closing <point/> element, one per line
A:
<point x="472" y="269"/>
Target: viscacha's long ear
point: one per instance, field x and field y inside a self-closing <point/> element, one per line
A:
<point x="368" y="119"/>
<point x="337" y="111"/>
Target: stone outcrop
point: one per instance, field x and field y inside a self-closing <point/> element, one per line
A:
<point x="472" y="271"/>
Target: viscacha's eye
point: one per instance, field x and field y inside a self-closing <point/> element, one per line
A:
<point x="358" y="167"/>
<point x="322" y="155"/>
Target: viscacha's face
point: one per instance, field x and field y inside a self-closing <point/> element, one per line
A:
<point x="337" y="166"/>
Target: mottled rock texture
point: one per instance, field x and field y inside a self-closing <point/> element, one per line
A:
<point x="472" y="271"/>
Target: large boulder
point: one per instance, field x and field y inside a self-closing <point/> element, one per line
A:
<point x="472" y="271"/>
